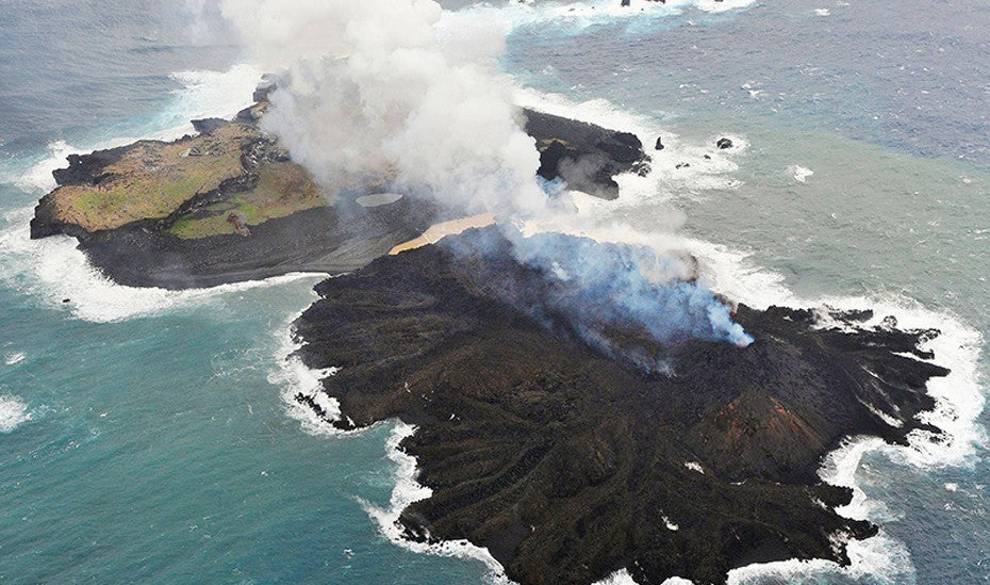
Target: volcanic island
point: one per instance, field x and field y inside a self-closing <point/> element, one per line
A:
<point x="541" y="437"/>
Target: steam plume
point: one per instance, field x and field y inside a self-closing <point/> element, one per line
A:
<point x="628" y="286"/>
<point x="403" y="92"/>
<point x="397" y="90"/>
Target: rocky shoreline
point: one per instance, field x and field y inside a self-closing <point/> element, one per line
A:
<point x="228" y="205"/>
<point x="569" y="464"/>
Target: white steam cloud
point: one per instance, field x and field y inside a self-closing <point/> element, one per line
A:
<point x="394" y="91"/>
<point x="403" y="94"/>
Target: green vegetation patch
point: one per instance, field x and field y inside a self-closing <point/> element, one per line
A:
<point x="153" y="179"/>
<point x="283" y="188"/>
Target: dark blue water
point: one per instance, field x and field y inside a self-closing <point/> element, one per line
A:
<point x="144" y="436"/>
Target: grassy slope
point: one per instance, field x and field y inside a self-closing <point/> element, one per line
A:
<point x="283" y="189"/>
<point x="153" y="179"/>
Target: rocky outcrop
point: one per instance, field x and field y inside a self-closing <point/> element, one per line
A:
<point x="585" y="156"/>
<point x="568" y="463"/>
<point x="206" y="125"/>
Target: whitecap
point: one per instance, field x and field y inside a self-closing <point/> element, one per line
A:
<point x="408" y="490"/>
<point x="883" y="559"/>
<point x="800" y="173"/>
<point x="53" y="270"/>
<point x="14" y="358"/>
<point x="577" y="16"/>
<point x="293" y="378"/>
<point x="722" y="5"/>
<point x="13" y="413"/>
<point x="38" y="177"/>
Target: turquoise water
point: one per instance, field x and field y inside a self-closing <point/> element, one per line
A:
<point x="148" y="444"/>
<point x="157" y="451"/>
<point x="147" y="439"/>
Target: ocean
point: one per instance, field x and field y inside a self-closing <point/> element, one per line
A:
<point x="147" y="436"/>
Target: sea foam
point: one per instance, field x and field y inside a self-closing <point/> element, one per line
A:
<point x="53" y="270"/>
<point x="577" y="16"/>
<point x="13" y="412"/>
<point x="800" y="173"/>
<point x="293" y="378"/>
<point x="408" y="490"/>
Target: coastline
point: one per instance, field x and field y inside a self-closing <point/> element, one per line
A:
<point x="227" y="204"/>
<point x="731" y="272"/>
<point x="874" y="556"/>
<point x="54" y="270"/>
<point x="864" y="541"/>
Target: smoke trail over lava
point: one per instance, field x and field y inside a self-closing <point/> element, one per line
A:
<point x="628" y="286"/>
<point x="403" y="92"/>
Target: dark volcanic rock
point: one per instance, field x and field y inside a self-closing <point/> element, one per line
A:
<point x="206" y="125"/>
<point x="584" y="155"/>
<point x="724" y="143"/>
<point x="269" y="83"/>
<point x="324" y="239"/>
<point x="87" y="168"/>
<point x="341" y="237"/>
<point x="568" y="464"/>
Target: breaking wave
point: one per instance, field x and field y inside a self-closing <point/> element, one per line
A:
<point x="406" y="491"/>
<point x="13" y="412"/>
<point x="204" y="94"/>
<point x="294" y="378"/>
<point x="57" y="275"/>
<point x="577" y="16"/>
